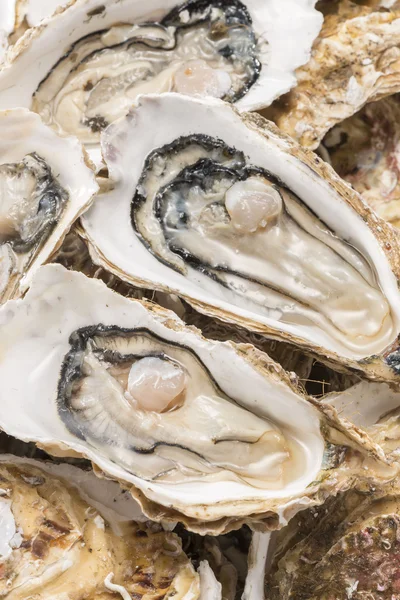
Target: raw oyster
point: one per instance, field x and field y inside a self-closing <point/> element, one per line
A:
<point x="356" y="59"/>
<point x="45" y="184"/>
<point x="209" y="433"/>
<point x="66" y="534"/>
<point x="347" y="548"/>
<point x="225" y="211"/>
<point x="84" y="68"/>
<point x="364" y="150"/>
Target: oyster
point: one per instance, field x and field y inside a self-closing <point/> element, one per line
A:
<point x="67" y="534"/>
<point x="347" y="548"/>
<point x="364" y="150"/>
<point x="228" y="213"/>
<point x="355" y="59"/>
<point x="84" y="68"/>
<point x="45" y="184"/>
<point x="209" y="433"/>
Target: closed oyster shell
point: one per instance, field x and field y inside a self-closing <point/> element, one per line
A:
<point x="65" y="533"/>
<point x="364" y="150"/>
<point x="320" y="272"/>
<point x="347" y="548"/>
<point x="236" y="442"/>
<point x="45" y="185"/>
<point x="355" y="60"/>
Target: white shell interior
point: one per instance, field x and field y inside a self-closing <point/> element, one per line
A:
<point x="35" y="340"/>
<point x="108" y="225"/>
<point x="365" y="403"/>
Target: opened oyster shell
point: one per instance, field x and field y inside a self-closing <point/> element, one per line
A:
<point x="355" y="59"/>
<point x="45" y="184"/>
<point x="347" y="548"/>
<point x="65" y="533"/>
<point x="364" y="150"/>
<point x="84" y="67"/>
<point x="213" y="432"/>
<point x="229" y="214"/>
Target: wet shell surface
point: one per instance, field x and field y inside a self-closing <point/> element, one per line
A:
<point x="67" y="534"/>
<point x="231" y="215"/>
<point x="45" y="185"/>
<point x="209" y="433"/>
<point x="365" y="151"/>
<point x="84" y="67"/>
<point x="355" y="60"/>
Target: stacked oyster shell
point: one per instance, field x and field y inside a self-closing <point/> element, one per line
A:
<point x="181" y="284"/>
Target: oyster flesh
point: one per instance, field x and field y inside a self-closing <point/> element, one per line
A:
<point x="209" y="433"/>
<point x="60" y="542"/>
<point x="225" y="211"/>
<point x="45" y="184"/>
<point x="347" y="548"/>
<point x="355" y="59"/>
<point x="364" y="150"/>
<point x="84" y="67"/>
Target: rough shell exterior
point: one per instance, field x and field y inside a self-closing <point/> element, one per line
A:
<point x="355" y="59"/>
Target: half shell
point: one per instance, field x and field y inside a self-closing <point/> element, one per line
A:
<point x="84" y="67"/>
<point x="45" y="185"/>
<point x="228" y="213"/>
<point x="209" y="433"/>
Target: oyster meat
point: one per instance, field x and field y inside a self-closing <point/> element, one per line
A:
<point x="228" y="213"/>
<point x="355" y="60"/>
<point x="365" y="151"/>
<point x="208" y="433"/>
<point x="45" y="184"/>
<point x="347" y="548"/>
<point x="58" y="541"/>
<point x="84" y="67"/>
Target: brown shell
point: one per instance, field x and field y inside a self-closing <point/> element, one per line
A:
<point x="347" y="548"/>
<point x="363" y="150"/>
<point x="355" y="59"/>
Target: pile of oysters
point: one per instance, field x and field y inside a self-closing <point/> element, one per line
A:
<point x="200" y="300"/>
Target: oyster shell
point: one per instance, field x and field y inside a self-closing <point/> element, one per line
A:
<point x="45" y="184"/>
<point x="355" y="60"/>
<point x="226" y="212"/>
<point x="16" y="16"/>
<point x="374" y="408"/>
<point x="347" y="548"/>
<point x="364" y="150"/>
<point x="65" y="533"/>
<point x="84" y="67"/>
<point x="209" y="433"/>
